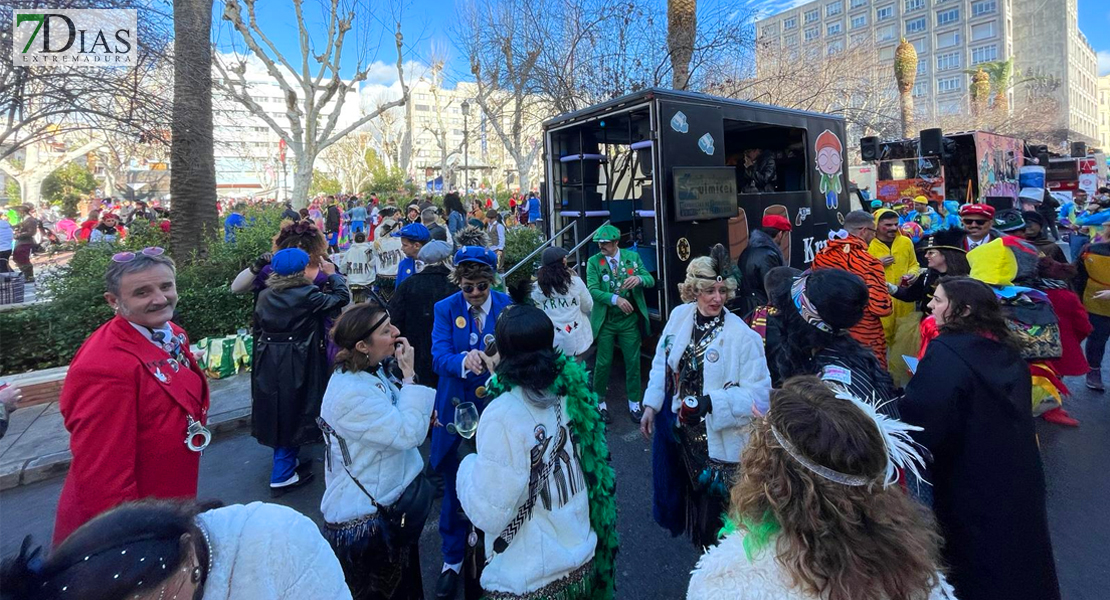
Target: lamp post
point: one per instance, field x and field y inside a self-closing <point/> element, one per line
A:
<point x="466" y="147"/>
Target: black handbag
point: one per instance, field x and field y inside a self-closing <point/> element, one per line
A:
<point x="403" y="521"/>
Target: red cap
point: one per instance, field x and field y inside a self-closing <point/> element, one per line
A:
<point x="776" y="222"/>
<point x="979" y="209"/>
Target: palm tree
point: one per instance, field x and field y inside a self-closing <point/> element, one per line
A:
<point x="905" y="73"/>
<point x="682" y="28"/>
<point x="980" y="93"/>
<point x="192" y="164"/>
<point x="1001" y="75"/>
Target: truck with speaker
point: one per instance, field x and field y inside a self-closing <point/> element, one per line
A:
<point x="678" y="172"/>
<point x="966" y="166"/>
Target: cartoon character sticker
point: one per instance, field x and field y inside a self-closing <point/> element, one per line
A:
<point x="830" y="163"/>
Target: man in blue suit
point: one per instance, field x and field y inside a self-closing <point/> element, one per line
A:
<point x="464" y="323"/>
<point x="413" y="237"/>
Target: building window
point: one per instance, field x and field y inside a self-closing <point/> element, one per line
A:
<point x="949" y="84"/>
<point x="858" y="38"/>
<point x="983" y="7"/>
<point x="920" y="46"/>
<point x="922" y="67"/>
<point x="859" y="21"/>
<point x="834" y="28"/>
<point x="790" y="23"/>
<point x="984" y="54"/>
<point x="949" y="108"/>
<point x="834" y="8"/>
<point x="812" y="33"/>
<point x="948" y="16"/>
<point x="948" y="61"/>
<point x="424" y="107"/>
<point x="912" y="5"/>
<point x="836" y="47"/>
<point x="813" y="15"/>
<point x="791" y="40"/>
<point x="915" y="25"/>
<point x="920" y="89"/>
<point x="772" y="29"/>
<point x="886" y="53"/>
<point x="982" y="31"/>
<point x="884" y="34"/>
<point x="947" y="40"/>
<point x="858" y="3"/>
<point x="884" y="13"/>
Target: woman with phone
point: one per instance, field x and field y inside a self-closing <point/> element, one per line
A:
<point x="373" y="429"/>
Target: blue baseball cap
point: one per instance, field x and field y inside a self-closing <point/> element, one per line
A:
<point x="289" y="261"/>
<point x="416" y="232"/>
<point x="476" y="254"/>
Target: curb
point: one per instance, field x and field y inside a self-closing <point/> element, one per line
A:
<point x="41" y="468"/>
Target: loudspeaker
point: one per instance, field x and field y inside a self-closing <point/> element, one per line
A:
<point x="1078" y="149"/>
<point x="869" y="148"/>
<point x="932" y="142"/>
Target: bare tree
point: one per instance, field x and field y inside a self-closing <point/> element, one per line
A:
<point x="440" y="129"/>
<point x="309" y="92"/>
<point x="346" y="159"/>
<point x="44" y="156"/>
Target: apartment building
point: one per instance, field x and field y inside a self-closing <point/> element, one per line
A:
<point x="951" y="37"/>
<point x="1104" y="113"/>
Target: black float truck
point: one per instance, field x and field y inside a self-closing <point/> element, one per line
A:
<point x="659" y="165"/>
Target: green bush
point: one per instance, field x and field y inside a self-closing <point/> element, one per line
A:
<point x="49" y="334"/>
<point x="520" y="242"/>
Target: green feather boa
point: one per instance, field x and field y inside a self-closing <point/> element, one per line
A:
<point x="758" y="535"/>
<point x="593" y="452"/>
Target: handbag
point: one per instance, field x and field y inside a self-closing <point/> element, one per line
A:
<point x="403" y="521"/>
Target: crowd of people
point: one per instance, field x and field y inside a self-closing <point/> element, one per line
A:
<point x="863" y="429"/>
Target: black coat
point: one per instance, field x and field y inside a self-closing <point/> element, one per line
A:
<point x="331" y="219"/>
<point x="412" y="310"/>
<point x="289" y="372"/>
<point x="761" y="255"/>
<point x="437" y="232"/>
<point x="972" y="396"/>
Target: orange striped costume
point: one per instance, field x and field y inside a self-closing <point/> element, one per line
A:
<point x="851" y="255"/>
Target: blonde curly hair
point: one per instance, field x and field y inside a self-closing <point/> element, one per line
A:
<point x="701" y="276"/>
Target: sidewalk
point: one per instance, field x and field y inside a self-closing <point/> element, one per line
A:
<point x="36" y="446"/>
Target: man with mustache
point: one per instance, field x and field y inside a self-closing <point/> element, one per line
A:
<point x="134" y="401"/>
<point x="977" y="220"/>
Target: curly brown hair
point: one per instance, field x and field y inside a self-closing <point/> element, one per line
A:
<point x="304" y="235"/>
<point x="472" y="271"/>
<point x="837" y="542"/>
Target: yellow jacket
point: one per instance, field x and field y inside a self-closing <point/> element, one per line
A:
<point x="905" y="263"/>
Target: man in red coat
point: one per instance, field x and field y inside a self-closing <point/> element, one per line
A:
<point x="135" y="401"/>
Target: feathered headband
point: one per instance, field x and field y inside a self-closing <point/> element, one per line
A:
<point x="722" y="264"/>
<point x="901" y="450"/>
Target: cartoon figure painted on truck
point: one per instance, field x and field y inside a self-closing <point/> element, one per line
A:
<point x="830" y="163"/>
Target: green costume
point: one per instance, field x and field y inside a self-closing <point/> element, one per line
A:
<point x="611" y="327"/>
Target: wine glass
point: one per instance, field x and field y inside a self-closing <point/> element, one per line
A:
<point x="466" y="419"/>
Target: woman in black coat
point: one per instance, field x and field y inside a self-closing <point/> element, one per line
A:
<point x="971" y="395"/>
<point x="289" y="370"/>
<point x="412" y="307"/>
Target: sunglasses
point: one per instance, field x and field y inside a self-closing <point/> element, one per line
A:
<point x="469" y="289"/>
<point x="122" y="257"/>
<point x="976" y="221"/>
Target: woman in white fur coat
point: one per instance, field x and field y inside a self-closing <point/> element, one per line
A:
<point x="818" y="514"/>
<point x="373" y="431"/>
<point x="562" y="295"/>
<point x="708" y="378"/>
<point x="524" y="487"/>
<point x="159" y="550"/>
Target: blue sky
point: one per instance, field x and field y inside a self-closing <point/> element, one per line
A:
<point x="428" y="23"/>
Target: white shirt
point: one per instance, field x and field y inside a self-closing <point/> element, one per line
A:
<point x="613" y="263"/>
<point x="165" y="329"/>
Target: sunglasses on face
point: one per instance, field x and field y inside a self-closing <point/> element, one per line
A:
<point x="976" y="221"/>
<point x="469" y="289"/>
<point x="122" y="257"/>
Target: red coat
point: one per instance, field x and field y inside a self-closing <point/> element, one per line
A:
<point x="126" y="411"/>
<point x="1075" y="326"/>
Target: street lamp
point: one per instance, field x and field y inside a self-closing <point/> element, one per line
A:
<point x="466" y="147"/>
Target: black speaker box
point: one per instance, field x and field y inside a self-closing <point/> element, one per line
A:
<point x="1078" y="149"/>
<point x="932" y="142"/>
<point x="869" y="148"/>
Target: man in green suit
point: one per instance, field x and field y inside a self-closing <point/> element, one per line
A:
<point x="616" y="279"/>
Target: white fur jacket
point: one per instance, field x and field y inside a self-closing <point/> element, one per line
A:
<point x="383" y="428"/>
<point x="494" y="483"/>
<point x="570" y="313"/>
<point x="269" y="552"/>
<point x="725" y="573"/>
<point x="735" y="377"/>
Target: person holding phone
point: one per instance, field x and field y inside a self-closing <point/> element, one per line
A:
<point x="462" y="329"/>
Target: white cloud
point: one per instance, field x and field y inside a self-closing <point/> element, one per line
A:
<point x="1104" y="62"/>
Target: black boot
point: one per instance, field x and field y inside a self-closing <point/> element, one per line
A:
<point x="448" y="586"/>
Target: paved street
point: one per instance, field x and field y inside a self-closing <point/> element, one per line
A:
<point x="652" y="565"/>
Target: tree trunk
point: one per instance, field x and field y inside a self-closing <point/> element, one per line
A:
<point x="906" y="100"/>
<point x="302" y="180"/>
<point x="192" y="162"/>
<point x="682" y="27"/>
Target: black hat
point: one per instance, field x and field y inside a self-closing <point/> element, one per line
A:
<point x="552" y="255"/>
<point x="1034" y="217"/>
<point x="950" y="239"/>
<point x="1009" y="220"/>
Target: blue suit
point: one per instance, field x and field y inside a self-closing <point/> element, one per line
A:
<point x="453" y="335"/>
<point x="405" y="269"/>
